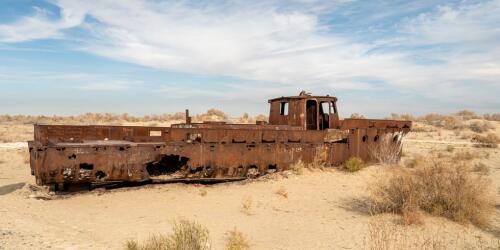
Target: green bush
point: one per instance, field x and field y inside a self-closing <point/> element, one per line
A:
<point x="354" y="164"/>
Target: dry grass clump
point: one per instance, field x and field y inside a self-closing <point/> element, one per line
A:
<point x="354" y="164"/>
<point x="416" y="160"/>
<point x="282" y="192"/>
<point x="246" y="205"/>
<point x="401" y="117"/>
<point x="384" y="235"/>
<point x="387" y="150"/>
<point x="481" y="168"/>
<point x="464" y="156"/>
<point x="186" y="235"/>
<point x="480" y="126"/>
<point x="297" y="167"/>
<point x="492" y="117"/>
<point x="439" y="187"/>
<point x="489" y="140"/>
<point x="203" y="192"/>
<point x="357" y="116"/>
<point x="235" y="240"/>
<point x="468" y="115"/>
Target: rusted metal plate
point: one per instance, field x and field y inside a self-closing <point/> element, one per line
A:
<point x="301" y="128"/>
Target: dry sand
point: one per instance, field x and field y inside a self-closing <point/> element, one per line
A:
<point x="323" y="210"/>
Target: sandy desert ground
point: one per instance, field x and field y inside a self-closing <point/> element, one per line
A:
<point x="321" y="208"/>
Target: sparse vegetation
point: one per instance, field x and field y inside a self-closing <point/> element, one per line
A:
<point x="439" y="187"/>
<point x="480" y="126"/>
<point x="387" y="150"/>
<point x="186" y="235"/>
<point x="489" y="140"/>
<point x="463" y="156"/>
<point x="384" y="235"/>
<point x="481" y="168"/>
<point x="297" y="167"/>
<point x="354" y="164"/>
<point x="357" y="116"/>
<point x="109" y="118"/>
<point x="246" y="205"/>
<point x="282" y="192"/>
<point x="492" y="117"/>
<point x="235" y="240"/>
<point x="203" y="192"/>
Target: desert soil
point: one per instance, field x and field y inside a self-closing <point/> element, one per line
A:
<point x="324" y="209"/>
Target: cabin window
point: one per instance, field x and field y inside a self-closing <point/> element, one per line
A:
<point x="334" y="108"/>
<point x="284" y="108"/>
<point x="325" y="108"/>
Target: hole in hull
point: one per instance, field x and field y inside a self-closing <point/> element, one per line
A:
<point x="99" y="175"/>
<point x="86" y="166"/>
<point x="168" y="164"/>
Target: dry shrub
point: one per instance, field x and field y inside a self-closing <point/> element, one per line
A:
<point x="354" y="164"/>
<point x="402" y="117"/>
<point x="467" y="115"/>
<point x="116" y="119"/>
<point x="203" y="192"/>
<point x="383" y="235"/>
<point x="246" y="205"/>
<point x="480" y="126"/>
<point x="235" y="240"/>
<point x="387" y="150"/>
<point x="357" y="116"/>
<point x="186" y="235"/>
<point x="489" y="140"/>
<point x="464" y="156"/>
<point x="450" y="148"/>
<point x="481" y="168"/>
<point x="419" y="128"/>
<point x="438" y="187"/>
<point x="492" y="117"/>
<point x="282" y="192"/>
<point x="453" y="122"/>
<point x="417" y="160"/>
<point x="443" y="121"/>
<point x="386" y="236"/>
<point x="297" y="167"/>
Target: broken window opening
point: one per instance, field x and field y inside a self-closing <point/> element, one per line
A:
<point x="154" y="133"/>
<point x="284" y="108"/>
<point x="325" y="108"/>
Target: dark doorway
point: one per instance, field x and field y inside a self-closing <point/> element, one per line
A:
<point x="324" y="115"/>
<point x="311" y="115"/>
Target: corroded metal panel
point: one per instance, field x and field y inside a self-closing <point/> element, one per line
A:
<point x="93" y="154"/>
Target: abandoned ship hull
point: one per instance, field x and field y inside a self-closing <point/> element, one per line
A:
<point x="90" y="154"/>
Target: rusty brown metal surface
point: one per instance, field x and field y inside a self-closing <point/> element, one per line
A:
<point x="304" y="127"/>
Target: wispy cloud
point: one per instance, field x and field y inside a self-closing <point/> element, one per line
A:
<point x="40" y="25"/>
<point x="443" y="52"/>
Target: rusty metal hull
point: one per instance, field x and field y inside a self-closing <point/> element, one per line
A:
<point x="85" y="154"/>
<point x="301" y="128"/>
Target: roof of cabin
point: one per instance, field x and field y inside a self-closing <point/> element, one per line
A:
<point x="303" y="95"/>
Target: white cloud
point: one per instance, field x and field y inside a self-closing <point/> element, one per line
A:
<point x="40" y="26"/>
<point x="287" y="43"/>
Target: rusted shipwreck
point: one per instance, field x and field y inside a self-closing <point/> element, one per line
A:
<point x="303" y="127"/>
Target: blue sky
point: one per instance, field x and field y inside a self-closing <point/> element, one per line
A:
<point x="142" y="57"/>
